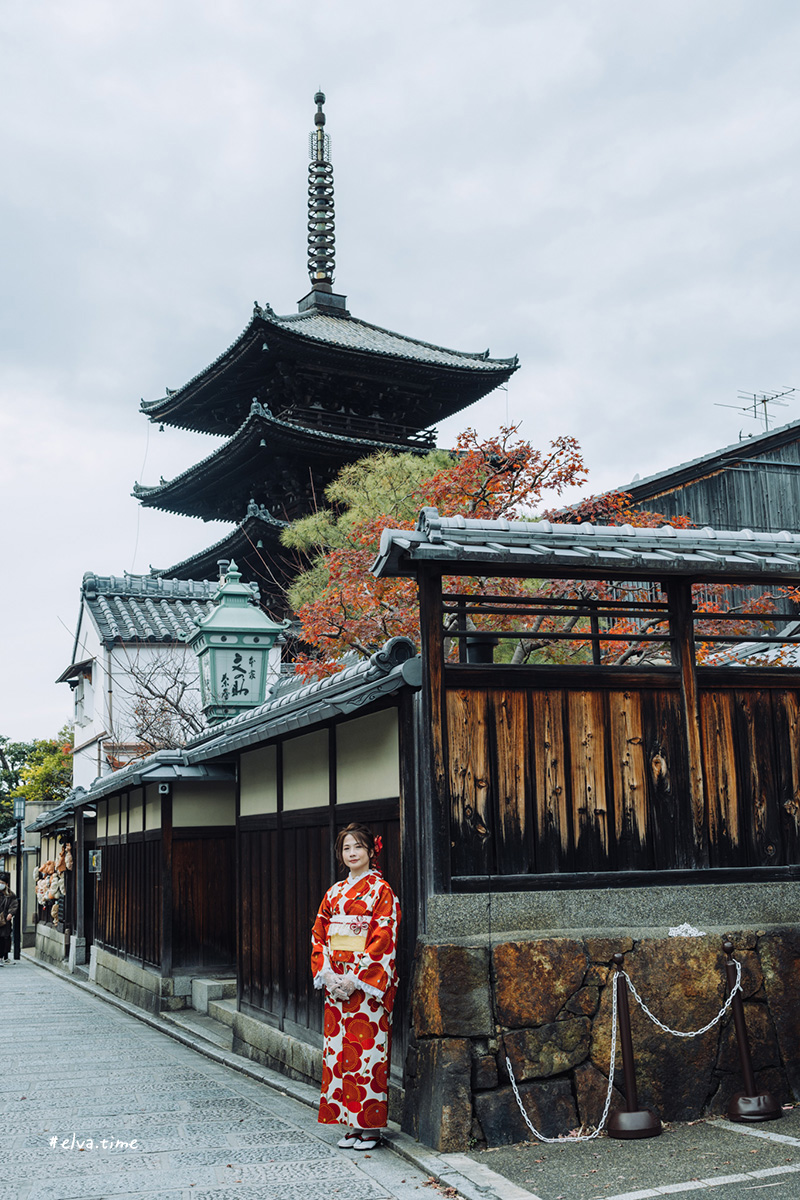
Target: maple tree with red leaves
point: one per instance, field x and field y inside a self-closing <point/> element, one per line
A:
<point x="342" y="607"/>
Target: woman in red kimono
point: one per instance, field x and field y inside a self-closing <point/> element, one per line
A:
<point x="354" y="944"/>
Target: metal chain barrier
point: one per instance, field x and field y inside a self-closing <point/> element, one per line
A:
<point x="696" y="1032"/>
<point x="588" y="1137"/>
<point x="581" y="1137"/>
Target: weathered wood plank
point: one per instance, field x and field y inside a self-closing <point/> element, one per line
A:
<point x="509" y="716"/>
<point x="433" y="733"/>
<point x="679" y="595"/>
<point x="587" y="761"/>
<point x="628" y="773"/>
<point x="786" y="723"/>
<point x="469" y="782"/>
<point x="716" y="719"/>
<point x="670" y="833"/>
<point x="552" y="817"/>
<point x="757" y="773"/>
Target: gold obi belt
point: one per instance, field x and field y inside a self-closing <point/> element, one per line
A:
<point x="352" y="942"/>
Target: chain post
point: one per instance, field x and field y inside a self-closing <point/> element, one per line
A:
<point x="750" y="1105"/>
<point x="635" y="1123"/>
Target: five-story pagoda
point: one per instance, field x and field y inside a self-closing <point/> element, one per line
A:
<point x="298" y="396"/>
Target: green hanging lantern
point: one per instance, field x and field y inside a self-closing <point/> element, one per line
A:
<point x="237" y="650"/>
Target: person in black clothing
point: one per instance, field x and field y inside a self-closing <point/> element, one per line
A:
<point x="8" y="907"/>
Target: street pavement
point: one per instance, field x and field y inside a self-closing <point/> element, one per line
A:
<point x="99" y="1104"/>
<point x="103" y="1101"/>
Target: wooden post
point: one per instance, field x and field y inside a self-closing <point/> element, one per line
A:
<point x="79" y="867"/>
<point x="679" y="596"/>
<point x="166" y="882"/>
<point x="433" y="731"/>
<point x="237" y="883"/>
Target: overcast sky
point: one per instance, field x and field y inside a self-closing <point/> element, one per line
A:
<point x="609" y="190"/>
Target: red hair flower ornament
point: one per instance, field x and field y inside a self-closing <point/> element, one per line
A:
<point x="378" y="844"/>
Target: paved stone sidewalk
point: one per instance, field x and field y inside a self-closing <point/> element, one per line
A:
<point x="102" y="1105"/>
<point x="713" y="1158"/>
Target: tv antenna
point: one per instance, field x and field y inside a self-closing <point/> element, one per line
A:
<point x="756" y="404"/>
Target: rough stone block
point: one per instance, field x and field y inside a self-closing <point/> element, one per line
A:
<point x="438" y="1103"/>
<point x="683" y="981"/>
<point x="534" y="980"/>
<point x="779" y="954"/>
<point x="596" y="976"/>
<point x="602" y="949"/>
<point x="584" y="1003"/>
<point x="760" y="1035"/>
<point x="451" y="994"/>
<point x="591" y="1089"/>
<point x="484" y="1073"/>
<point x="549" y="1106"/>
<point x="550" y="1049"/>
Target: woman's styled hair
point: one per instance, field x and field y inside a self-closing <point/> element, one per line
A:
<point x="364" y="836"/>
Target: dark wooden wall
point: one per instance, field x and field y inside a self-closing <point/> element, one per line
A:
<point x="735" y="492"/>
<point x="286" y="866"/>
<point x="127" y="917"/>
<point x="549" y="780"/>
<point x="167" y="897"/>
<point x="203" y="898"/>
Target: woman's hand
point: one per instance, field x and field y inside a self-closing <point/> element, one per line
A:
<point x="347" y="985"/>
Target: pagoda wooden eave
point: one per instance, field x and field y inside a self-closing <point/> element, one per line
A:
<point x="344" y="363"/>
<point x="254" y="544"/>
<point x="275" y="464"/>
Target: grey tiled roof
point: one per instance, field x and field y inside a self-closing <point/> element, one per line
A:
<point x="353" y="334"/>
<point x="285" y="438"/>
<point x="349" y="333"/>
<point x="145" y="608"/>
<point x="620" y="551"/>
<point x="746" y="448"/>
<point x="165" y="766"/>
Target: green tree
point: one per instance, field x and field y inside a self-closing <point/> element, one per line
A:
<point x="39" y="770"/>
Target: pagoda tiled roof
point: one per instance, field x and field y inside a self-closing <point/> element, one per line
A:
<point x="254" y="461"/>
<point x="351" y="333"/>
<point x="241" y="544"/>
<point x="141" y="609"/>
<point x="439" y="381"/>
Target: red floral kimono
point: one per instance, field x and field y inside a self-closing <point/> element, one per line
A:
<point x="358" y="1031"/>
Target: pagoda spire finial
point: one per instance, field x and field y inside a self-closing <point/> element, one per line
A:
<point x="321" y="240"/>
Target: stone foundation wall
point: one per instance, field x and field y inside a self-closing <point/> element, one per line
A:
<point x="546" y="1003"/>
<point x="51" y="944"/>
<point x="139" y="985"/>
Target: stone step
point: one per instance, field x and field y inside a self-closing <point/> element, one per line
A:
<point x="201" y="1025"/>
<point x="204" y="990"/>
<point x="222" y="1011"/>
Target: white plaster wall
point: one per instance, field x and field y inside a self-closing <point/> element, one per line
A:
<point x="258" y="776"/>
<point x="203" y="804"/>
<point x="152" y="807"/>
<point x="368" y="758"/>
<point x="306" y="781"/>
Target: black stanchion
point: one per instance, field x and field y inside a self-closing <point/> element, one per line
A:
<point x="635" y="1122"/>
<point x="749" y="1105"/>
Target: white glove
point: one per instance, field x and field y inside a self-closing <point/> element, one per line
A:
<point x="330" y="979"/>
<point x="348" y="985"/>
